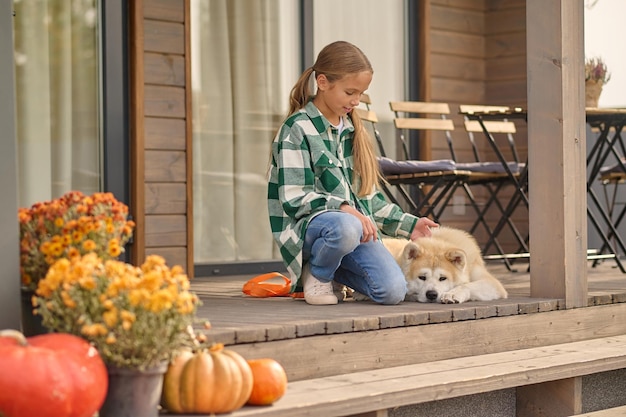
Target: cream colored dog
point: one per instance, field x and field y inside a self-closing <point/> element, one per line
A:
<point x="446" y="267"/>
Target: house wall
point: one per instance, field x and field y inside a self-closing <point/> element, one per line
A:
<point x="476" y="54"/>
<point x="161" y="146"/>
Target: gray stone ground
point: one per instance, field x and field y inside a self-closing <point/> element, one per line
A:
<point x="600" y="391"/>
<point x="491" y="404"/>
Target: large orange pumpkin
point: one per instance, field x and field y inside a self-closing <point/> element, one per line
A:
<point x="50" y="375"/>
<point x="217" y="380"/>
<point x="269" y="381"/>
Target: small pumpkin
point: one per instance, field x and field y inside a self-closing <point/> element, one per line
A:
<point x="269" y="381"/>
<point x="50" y="375"/>
<point x="216" y="380"/>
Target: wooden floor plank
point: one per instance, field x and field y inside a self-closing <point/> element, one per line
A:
<point x="231" y="312"/>
<point x="611" y="412"/>
<point x="412" y="384"/>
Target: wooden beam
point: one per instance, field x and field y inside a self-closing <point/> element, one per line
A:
<point x="557" y="149"/>
<point x="137" y="135"/>
<point x="189" y="140"/>
<point x="557" y="367"/>
<point x="554" y="398"/>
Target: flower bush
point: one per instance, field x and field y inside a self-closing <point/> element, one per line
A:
<point x="596" y="71"/>
<point x="135" y="316"/>
<point x="71" y="225"/>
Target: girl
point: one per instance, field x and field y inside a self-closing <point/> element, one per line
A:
<point x="324" y="202"/>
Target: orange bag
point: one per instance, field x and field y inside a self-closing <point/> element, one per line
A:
<point x="260" y="288"/>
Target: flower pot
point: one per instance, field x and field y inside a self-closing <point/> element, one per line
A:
<point x="31" y="323"/>
<point x="133" y="392"/>
<point x="592" y="93"/>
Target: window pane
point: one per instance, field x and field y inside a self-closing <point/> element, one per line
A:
<point x="56" y="68"/>
<point x="245" y="60"/>
<point x="244" y="63"/>
<point x="377" y="28"/>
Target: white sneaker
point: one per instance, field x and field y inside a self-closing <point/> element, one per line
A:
<point x="315" y="291"/>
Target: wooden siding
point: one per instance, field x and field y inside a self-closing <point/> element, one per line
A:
<point x="161" y="152"/>
<point x="476" y="54"/>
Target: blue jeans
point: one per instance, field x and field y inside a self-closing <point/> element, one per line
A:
<point x="333" y="249"/>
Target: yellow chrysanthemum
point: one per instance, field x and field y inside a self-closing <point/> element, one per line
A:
<point x="87" y="283"/>
<point x="128" y="315"/>
<point x="67" y="300"/>
<point x="114" y="248"/>
<point x="110" y="317"/>
<point x="96" y="329"/>
<point x="89" y="245"/>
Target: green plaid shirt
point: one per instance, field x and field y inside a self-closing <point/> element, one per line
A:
<point x="310" y="173"/>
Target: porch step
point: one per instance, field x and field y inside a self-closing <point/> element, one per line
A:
<point x="610" y="412"/>
<point x="374" y="391"/>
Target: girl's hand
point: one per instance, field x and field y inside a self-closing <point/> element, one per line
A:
<point x="369" y="229"/>
<point x="422" y="228"/>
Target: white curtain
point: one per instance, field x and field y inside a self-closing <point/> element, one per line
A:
<point x="57" y="84"/>
<point x="244" y="62"/>
<point x="377" y="28"/>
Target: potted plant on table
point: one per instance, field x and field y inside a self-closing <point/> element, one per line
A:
<point x="596" y="75"/>
<point x="136" y="317"/>
<point x="71" y="225"/>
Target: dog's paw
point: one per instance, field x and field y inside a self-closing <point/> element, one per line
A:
<point x="455" y="296"/>
<point x="448" y="298"/>
<point x="357" y="296"/>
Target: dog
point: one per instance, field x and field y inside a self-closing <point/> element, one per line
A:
<point x="446" y="267"/>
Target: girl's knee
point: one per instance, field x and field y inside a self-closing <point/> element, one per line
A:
<point x="390" y="293"/>
<point x="348" y="232"/>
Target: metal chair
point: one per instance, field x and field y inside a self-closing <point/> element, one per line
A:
<point x="493" y="176"/>
<point x="424" y="187"/>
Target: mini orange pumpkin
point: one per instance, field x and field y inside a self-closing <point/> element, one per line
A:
<point x="269" y="381"/>
<point x="210" y="381"/>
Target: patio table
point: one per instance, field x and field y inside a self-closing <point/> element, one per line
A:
<point x="607" y="120"/>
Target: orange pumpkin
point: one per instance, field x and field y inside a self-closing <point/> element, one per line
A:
<point x="170" y="394"/>
<point x="269" y="381"/>
<point x="217" y="380"/>
<point x="50" y="375"/>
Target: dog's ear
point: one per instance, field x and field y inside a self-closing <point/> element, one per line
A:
<point x="411" y="251"/>
<point x="457" y="257"/>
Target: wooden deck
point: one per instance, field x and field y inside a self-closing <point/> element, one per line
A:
<point x="238" y="319"/>
<point x="361" y="342"/>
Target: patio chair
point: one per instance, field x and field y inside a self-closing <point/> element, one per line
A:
<point x="493" y="176"/>
<point x="612" y="177"/>
<point x="426" y="186"/>
<point x="421" y="187"/>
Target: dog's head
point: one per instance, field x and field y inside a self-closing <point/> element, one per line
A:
<point x="431" y="269"/>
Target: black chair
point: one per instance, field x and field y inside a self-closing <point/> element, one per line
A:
<point x="492" y="175"/>
<point x="423" y="188"/>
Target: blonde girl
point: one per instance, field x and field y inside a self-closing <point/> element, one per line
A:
<point x="325" y="208"/>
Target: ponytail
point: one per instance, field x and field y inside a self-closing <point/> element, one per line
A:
<point x="365" y="162"/>
<point x="300" y="92"/>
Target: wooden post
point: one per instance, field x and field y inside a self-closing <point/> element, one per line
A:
<point x="9" y="230"/>
<point x="554" y="398"/>
<point x="557" y="149"/>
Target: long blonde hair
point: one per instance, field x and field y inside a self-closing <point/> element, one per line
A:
<point x="335" y="61"/>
